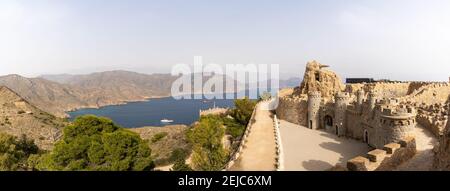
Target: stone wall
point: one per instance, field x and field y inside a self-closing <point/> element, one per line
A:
<point x="213" y="111"/>
<point x="442" y="150"/>
<point x="280" y="152"/>
<point x="354" y="127"/>
<point x="383" y="89"/>
<point x="386" y="159"/>
<point x="293" y="109"/>
<point x="433" y="93"/>
<point x="433" y="124"/>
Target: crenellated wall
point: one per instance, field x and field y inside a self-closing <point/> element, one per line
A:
<point x="391" y="156"/>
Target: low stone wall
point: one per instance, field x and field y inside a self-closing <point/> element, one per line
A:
<point x="235" y="155"/>
<point x="386" y="159"/>
<point x="279" y="144"/>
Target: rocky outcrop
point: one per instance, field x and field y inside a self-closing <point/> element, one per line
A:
<point x="442" y="150"/>
<point x="18" y="118"/>
<point x="317" y="78"/>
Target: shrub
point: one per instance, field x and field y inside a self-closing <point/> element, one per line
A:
<point x="206" y="138"/>
<point x="15" y="152"/>
<point x="96" y="143"/>
<point x="180" y="165"/>
<point x="243" y="110"/>
<point x="158" y="136"/>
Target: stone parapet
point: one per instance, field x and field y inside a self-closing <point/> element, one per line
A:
<point x="388" y="158"/>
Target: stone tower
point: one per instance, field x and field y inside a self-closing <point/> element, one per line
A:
<point x="359" y="100"/>
<point x="397" y="124"/>
<point x="372" y="98"/>
<point x="341" y="101"/>
<point x="314" y="101"/>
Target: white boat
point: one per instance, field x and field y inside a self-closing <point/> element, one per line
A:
<point x="166" y="121"/>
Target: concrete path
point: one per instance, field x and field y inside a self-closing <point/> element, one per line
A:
<point x="314" y="150"/>
<point x="423" y="160"/>
<point x="260" y="151"/>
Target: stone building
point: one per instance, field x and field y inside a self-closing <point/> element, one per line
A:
<point x="357" y="111"/>
<point x="374" y="121"/>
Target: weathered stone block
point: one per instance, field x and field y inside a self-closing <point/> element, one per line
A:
<point x="376" y="155"/>
<point x="408" y="142"/>
<point x="358" y="164"/>
<point x="391" y="147"/>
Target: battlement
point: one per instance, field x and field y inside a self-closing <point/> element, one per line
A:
<point x="399" y="112"/>
<point x="314" y="94"/>
<point x="292" y="100"/>
<point x="388" y="158"/>
<point x="390" y="101"/>
<point x="342" y="95"/>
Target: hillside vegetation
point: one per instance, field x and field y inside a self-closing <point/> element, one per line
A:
<point x="209" y="135"/>
<point x="96" y="143"/>
<point x="18" y="117"/>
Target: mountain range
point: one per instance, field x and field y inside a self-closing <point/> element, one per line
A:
<point x="57" y="94"/>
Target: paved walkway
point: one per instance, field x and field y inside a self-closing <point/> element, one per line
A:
<point x="314" y="150"/>
<point x="423" y="160"/>
<point x="260" y="151"/>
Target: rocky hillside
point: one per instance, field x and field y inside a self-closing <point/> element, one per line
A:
<point x="57" y="94"/>
<point x="50" y="96"/>
<point x="120" y="84"/>
<point x="88" y="91"/>
<point x="18" y="117"/>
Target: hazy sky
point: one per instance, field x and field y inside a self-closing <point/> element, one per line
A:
<point x="397" y="39"/>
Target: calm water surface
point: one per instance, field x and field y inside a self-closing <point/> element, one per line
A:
<point x="150" y="113"/>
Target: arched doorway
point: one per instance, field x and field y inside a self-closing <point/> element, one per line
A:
<point x="310" y="124"/>
<point x="328" y="121"/>
<point x="337" y="130"/>
<point x="366" y="136"/>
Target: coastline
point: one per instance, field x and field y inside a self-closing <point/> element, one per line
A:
<point x="122" y="102"/>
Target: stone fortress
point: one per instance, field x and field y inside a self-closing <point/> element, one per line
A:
<point x="377" y="113"/>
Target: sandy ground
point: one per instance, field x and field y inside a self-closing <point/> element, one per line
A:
<point x="314" y="150"/>
<point x="423" y="160"/>
<point x="260" y="151"/>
